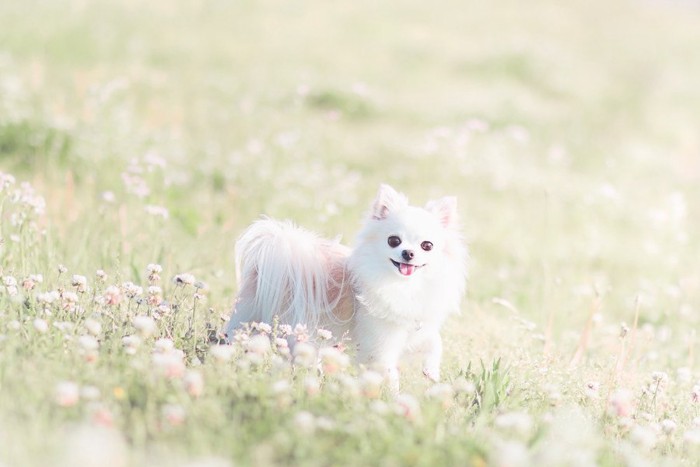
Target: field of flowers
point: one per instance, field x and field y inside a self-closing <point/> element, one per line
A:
<point x="138" y="139"/>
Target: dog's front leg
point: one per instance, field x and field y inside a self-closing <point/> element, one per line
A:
<point x="433" y="357"/>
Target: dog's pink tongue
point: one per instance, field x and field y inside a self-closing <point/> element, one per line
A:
<point x="406" y="269"/>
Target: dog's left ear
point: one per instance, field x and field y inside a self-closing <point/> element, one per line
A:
<point x="445" y="209"/>
<point x="387" y="200"/>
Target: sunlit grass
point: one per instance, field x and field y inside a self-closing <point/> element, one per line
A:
<point x="137" y="140"/>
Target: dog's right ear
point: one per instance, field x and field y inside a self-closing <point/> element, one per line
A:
<point x="387" y="200"/>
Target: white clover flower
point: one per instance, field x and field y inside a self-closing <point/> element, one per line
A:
<point x="194" y="383"/>
<point x="407" y="406"/>
<point x="169" y="364"/>
<point x="644" y="436"/>
<point x="131" y="344"/>
<point x="79" y="282"/>
<point x="325" y="334"/>
<point x="41" y="325"/>
<point x="90" y="393"/>
<point x="621" y="403"/>
<point x="184" y="279"/>
<point x="592" y="389"/>
<point x="163" y="345"/>
<point x="153" y="268"/>
<point x="222" y="353"/>
<point x="301" y="333"/>
<point x="93" y="326"/>
<point x="262" y="327"/>
<point x="258" y="344"/>
<point x="48" y="298"/>
<point x="285" y="329"/>
<point x="518" y="422"/>
<point x="101" y="275"/>
<point x="112" y="295"/>
<point x="371" y="384"/>
<point x="305" y="422"/>
<point x="145" y="325"/>
<point x="304" y="354"/>
<point x="333" y="360"/>
<point x="88" y="343"/>
<point x="312" y="385"/>
<point x="157" y="211"/>
<point x="692" y="436"/>
<point x="668" y="426"/>
<point x="174" y="414"/>
<point x="132" y="290"/>
<point x="67" y="393"/>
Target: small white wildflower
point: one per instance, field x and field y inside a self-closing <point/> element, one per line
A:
<point x="222" y="353"/>
<point x="668" y="426"/>
<point x="145" y="325"/>
<point x="101" y="275"/>
<point x="194" y="383"/>
<point x="93" y="326"/>
<point x="692" y="436"/>
<point x="112" y="295"/>
<point x="407" y="406"/>
<point x="14" y="325"/>
<point x="304" y="354"/>
<point x="88" y="343"/>
<point x="163" y="345"/>
<point x="131" y="344"/>
<point x="174" y="414"/>
<point x="40" y="325"/>
<point x="67" y="393"/>
<point x="333" y="360"/>
<point x="262" y="327"/>
<point x="170" y="364"/>
<point x="301" y="332"/>
<point x="305" y="422"/>
<point x="324" y="334"/>
<point x="258" y="344"/>
<point x="79" y="282"/>
<point x="312" y="385"/>
<point x="132" y="290"/>
<point x="184" y="279"/>
<point x="371" y="384"/>
<point x="518" y="422"/>
<point x="157" y="211"/>
<point x="90" y="393"/>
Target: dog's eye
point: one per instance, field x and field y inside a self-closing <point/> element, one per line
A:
<point x="427" y="246"/>
<point x="394" y="241"/>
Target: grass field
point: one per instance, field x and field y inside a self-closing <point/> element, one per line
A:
<point x="138" y="139"/>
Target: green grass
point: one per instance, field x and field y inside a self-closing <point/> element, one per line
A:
<point x="568" y="132"/>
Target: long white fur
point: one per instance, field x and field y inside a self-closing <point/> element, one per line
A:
<point x="282" y="274"/>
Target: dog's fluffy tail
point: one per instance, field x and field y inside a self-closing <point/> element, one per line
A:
<point x="287" y="272"/>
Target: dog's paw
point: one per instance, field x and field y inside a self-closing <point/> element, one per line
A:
<point x="432" y="374"/>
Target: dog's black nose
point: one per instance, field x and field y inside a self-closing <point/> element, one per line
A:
<point x="407" y="255"/>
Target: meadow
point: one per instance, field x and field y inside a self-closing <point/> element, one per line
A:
<point x="138" y="139"/>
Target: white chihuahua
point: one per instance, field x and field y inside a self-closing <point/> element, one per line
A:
<point x="391" y="294"/>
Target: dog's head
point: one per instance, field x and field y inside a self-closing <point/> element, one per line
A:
<point x="407" y="240"/>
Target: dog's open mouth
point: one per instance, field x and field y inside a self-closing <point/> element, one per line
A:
<point x="406" y="269"/>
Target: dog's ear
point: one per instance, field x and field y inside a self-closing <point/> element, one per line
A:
<point x="445" y="209"/>
<point x="387" y="200"/>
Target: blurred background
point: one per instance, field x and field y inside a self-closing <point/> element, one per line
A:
<point x="158" y="130"/>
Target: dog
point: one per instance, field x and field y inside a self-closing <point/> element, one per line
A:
<point x="390" y="294"/>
